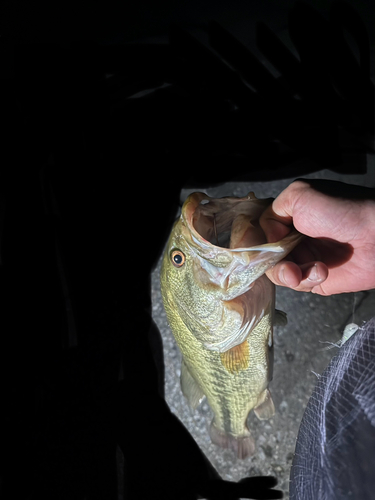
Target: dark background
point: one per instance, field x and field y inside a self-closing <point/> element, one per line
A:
<point x="90" y="183"/>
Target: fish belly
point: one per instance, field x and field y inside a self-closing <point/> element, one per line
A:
<point x="230" y="394"/>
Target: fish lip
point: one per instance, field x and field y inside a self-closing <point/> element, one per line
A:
<point x="188" y="211"/>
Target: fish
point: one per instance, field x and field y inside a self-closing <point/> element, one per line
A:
<point x="220" y="307"/>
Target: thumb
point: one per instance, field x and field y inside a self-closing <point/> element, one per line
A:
<point x="312" y="213"/>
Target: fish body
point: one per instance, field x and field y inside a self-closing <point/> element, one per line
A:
<point x="220" y="306"/>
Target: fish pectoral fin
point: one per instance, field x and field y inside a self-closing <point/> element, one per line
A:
<point x="281" y="318"/>
<point x="237" y="358"/>
<point x="265" y="408"/>
<point x="190" y="389"/>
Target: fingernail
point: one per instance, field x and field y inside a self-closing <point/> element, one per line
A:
<point x="314" y="275"/>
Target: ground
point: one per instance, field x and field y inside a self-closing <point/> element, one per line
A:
<point x="303" y="349"/>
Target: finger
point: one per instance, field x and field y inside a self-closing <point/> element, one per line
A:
<point x="277" y="220"/>
<point x="275" y="227"/>
<point x="300" y="278"/>
<point x="316" y="213"/>
<point x="313" y="275"/>
<point x="285" y="273"/>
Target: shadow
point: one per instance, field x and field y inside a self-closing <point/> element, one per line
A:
<point x="105" y="137"/>
<point x="331" y="252"/>
<point x="341" y="189"/>
<point x="176" y="468"/>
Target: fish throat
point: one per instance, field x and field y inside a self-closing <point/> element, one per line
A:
<point x="231" y="223"/>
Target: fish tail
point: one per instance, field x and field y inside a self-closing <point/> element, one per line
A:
<point x="243" y="446"/>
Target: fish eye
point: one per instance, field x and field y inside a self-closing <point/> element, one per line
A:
<point x="178" y="258"/>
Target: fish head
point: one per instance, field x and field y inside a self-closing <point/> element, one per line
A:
<point x="215" y="254"/>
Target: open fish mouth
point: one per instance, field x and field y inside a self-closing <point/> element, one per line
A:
<point x="210" y="220"/>
<point x="225" y="236"/>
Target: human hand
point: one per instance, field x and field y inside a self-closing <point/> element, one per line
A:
<point x="338" y="253"/>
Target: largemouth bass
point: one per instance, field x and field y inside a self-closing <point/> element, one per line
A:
<point x="220" y="306"/>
